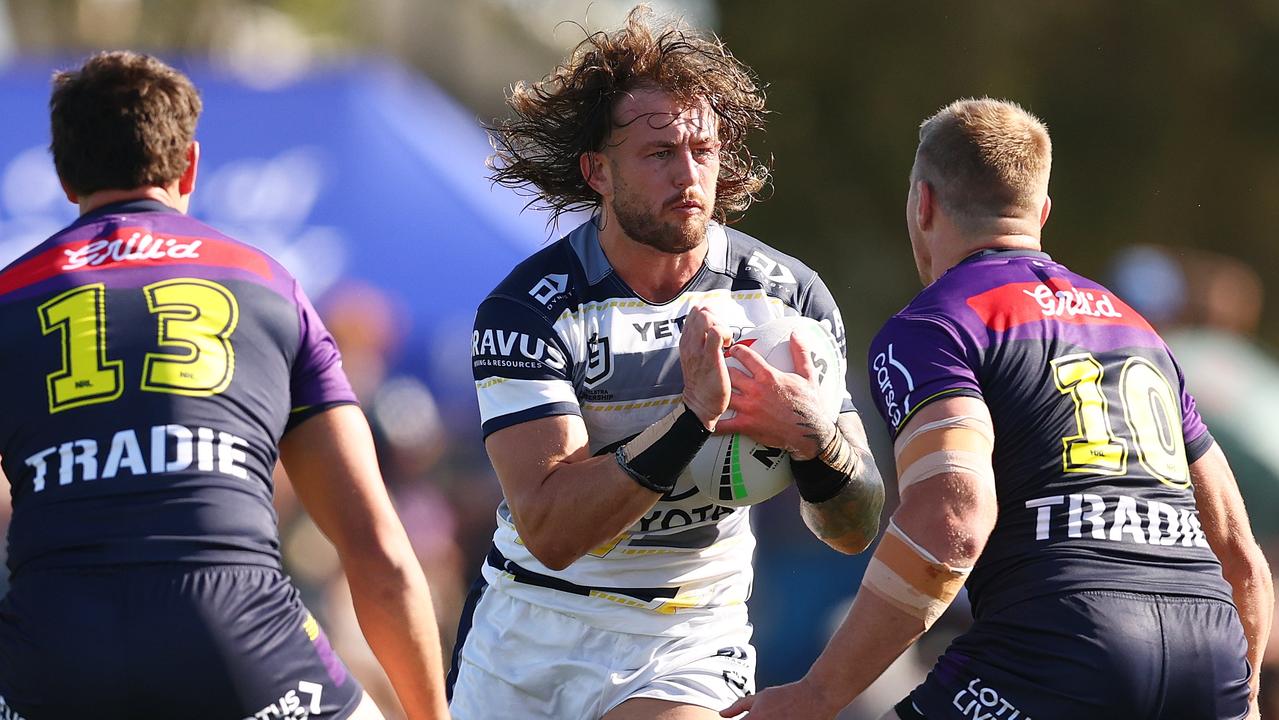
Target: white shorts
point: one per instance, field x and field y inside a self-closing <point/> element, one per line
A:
<point x="523" y="661"/>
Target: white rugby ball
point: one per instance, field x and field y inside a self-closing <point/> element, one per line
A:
<point x="733" y="469"/>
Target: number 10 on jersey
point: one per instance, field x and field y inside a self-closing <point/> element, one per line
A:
<point x="194" y="318"/>
<point x="1151" y="413"/>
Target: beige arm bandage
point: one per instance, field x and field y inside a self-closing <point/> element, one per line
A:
<point x="959" y="444"/>
<point x="911" y="579"/>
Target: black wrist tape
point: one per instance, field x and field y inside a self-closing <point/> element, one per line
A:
<point x="657" y="456"/>
<point x="821" y="478"/>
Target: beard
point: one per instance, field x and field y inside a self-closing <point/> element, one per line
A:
<point x="643" y="226"/>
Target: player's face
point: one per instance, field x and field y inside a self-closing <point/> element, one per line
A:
<point x="663" y="163"/>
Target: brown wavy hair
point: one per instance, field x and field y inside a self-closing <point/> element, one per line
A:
<point x="122" y="120"/>
<point x="570" y="112"/>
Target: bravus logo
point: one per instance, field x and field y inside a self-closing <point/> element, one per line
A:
<point x="510" y="344"/>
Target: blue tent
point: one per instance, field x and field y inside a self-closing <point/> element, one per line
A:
<point x="360" y="171"/>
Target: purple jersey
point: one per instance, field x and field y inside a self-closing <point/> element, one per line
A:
<point x="1094" y="427"/>
<point x="150" y="366"/>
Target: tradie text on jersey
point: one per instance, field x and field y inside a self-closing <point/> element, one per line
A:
<point x="172" y="448"/>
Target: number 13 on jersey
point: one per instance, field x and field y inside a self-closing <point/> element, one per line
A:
<point x="194" y="319"/>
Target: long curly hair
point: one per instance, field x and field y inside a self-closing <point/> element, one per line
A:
<point x="570" y="112"/>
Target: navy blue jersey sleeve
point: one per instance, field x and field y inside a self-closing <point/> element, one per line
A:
<point x="820" y="305"/>
<point x="522" y="367"/>
<point x="914" y="361"/>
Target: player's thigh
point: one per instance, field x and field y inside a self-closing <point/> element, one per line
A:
<point x="653" y="709"/>
<point x="890" y="715"/>
<point x="517" y="659"/>
<point x="708" y="669"/>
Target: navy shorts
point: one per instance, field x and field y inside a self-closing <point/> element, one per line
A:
<point x="1097" y="655"/>
<point x="217" y="642"/>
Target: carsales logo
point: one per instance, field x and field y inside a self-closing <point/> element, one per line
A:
<point x="896" y="402"/>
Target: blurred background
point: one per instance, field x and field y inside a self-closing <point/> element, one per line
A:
<point x="345" y="138"/>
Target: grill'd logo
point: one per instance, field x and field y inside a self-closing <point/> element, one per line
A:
<point x="137" y="247"/>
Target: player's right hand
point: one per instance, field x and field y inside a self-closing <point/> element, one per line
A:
<point x="701" y="355"/>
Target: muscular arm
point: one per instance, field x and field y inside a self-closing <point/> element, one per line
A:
<point x="565" y="502"/>
<point x="332" y="465"/>
<point x="951" y="515"/>
<point x="849" y="521"/>
<point x="1225" y="523"/>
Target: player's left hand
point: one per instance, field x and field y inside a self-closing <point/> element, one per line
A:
<point x="775" y="408"/>
<point x="793" y="701"/>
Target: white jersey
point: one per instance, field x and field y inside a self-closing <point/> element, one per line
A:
<point x="564" y="334"/>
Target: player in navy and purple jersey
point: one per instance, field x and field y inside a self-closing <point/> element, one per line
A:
<point x="1049" y="455"/>
<point x="153" y="371"/>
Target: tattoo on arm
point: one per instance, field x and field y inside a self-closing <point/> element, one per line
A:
<point x="855" y="509"/>
<point x="818" y="432"/>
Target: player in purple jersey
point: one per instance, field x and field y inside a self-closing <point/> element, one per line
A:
<point x="615" y="588"/>
<point x="1048" y="455"/>
<point x="153" y="371"/>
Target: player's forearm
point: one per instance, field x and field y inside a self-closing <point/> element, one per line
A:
<point x="1253" y="590"/>
<point x="394" y="609"/>
<point x="846" y="520"/>
<point x="849" y="521"/>
<point x="1225" y="524"/>
<point x="579" y="507"/>
<point x="871" y="637"/>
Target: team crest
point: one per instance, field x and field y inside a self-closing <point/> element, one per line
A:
<point x="599" y="360"/>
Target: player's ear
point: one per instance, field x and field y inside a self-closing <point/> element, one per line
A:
<point x="924" y="208"/>
<point x="1043" y="212"/>
<point x="72" y="196"/>
<point x="595" y="172"/>
<point x="186" y="183"/>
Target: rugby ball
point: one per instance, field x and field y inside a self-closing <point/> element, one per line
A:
<point x="733" y="469"/>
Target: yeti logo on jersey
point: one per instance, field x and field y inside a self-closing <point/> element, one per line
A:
<point x="883" y="365"/>
<point x="599" y="360"/>
<point x="549" y="288"/>
<point x="770" y="269"/>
